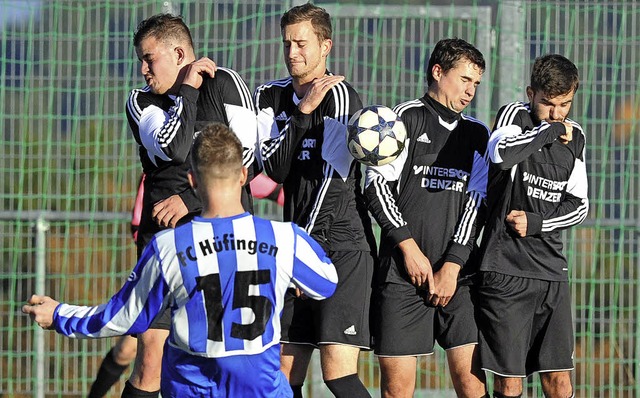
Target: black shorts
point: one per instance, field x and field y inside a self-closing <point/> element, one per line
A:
<point x="524" y="324"/>
<point x="406" y="325"/>
<point x="342" y="318"/>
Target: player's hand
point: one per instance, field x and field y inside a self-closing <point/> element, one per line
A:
<point x="517" y="221"/>
<point x="197" y="69"/>
<point x="167" y="212"/>
<point x="300" y="294"/>
<point x="568" y="134"/>
<point x="40" y="309"/>
<point x="417" y="265"/>
<point x="446" y="282"/>
<point x="316" y="92"/>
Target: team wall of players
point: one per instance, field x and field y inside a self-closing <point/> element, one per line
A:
<point x="426" y="279"/>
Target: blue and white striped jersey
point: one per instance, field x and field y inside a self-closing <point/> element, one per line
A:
<point x="224" y="280"/>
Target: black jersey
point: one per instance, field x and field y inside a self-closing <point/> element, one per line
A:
<point x="308" y="154"/>
<point x="164" y="127"/>
<point x="531" y="170"/>
<point x="433" y="190"/>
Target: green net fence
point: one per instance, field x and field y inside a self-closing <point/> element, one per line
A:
<point x="69" y="166"/>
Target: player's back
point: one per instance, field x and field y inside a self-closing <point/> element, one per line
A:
<point x="228" y="277"/>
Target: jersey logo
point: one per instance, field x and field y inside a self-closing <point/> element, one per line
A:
<point x="132" y="277"/>
<point x="282" y="116"/>
<point x="424" y="138"/>
<point x="351" y="330"/>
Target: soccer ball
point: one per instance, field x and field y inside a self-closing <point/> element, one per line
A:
<point x="376" y="135"/>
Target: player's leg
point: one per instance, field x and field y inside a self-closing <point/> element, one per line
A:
<point x="145" y="377"/>
<point x="298" y="338"/>
<point x="340" y="370"/>
<point x="344" y="324"/>
<point x="113" y="366"/>
<point x="294" y="361"/>
<point x="403" y="330"/>
<point x="556" y="384"/>
<point x="397" y="376"/>
<point x="456" y="331"/>
<point x="554" y="341"/>
<point x="464" y="367"/>
<point x="505" y="308"/>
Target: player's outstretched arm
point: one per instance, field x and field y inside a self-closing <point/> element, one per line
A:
<point x="41" y="309"/>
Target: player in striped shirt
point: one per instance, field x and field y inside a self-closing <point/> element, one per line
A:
<point x="222" y="275"/>
<point x="182" y="94"/>
<point x="537" y="187"/>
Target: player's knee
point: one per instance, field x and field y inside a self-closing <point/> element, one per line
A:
<point x="507" y="387"/>
<point x="396" y="387"/>
<point x="469" y="385"/>
<point x="557" y="384"/>
<point x="125" y="351"/>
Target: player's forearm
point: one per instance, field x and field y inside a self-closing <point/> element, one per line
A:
<point x="382" y="205"/>
<point x="514" y="149"/>
<point x="571" y="211"/>
<point x="176" y="135"/>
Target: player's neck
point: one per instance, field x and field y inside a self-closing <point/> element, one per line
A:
<point x="221" y="203"/>
<point x="301" y="84"/>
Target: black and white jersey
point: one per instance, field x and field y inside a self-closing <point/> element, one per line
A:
<point x="164" y="127"/>
<point x="433" y="190"/>
<point x="308" y="154"/>
<point x="531" y="170"/>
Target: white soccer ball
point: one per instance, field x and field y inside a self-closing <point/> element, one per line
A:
<point x="376" y="135"/>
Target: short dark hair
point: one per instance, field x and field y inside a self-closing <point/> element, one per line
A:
<point x="554" y="75"/>
<point x="319" y="17"/>
<point x="163" y="27"/>
<point x="448" y="52"/>
<point x="216" y="152"/>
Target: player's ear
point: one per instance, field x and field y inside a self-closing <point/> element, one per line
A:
<point x="192" y="179"/>
<point x="243" y="175"/>
<point x="530" y="93"/>
<point x="437" y="72"/>
<point x="326" y="47"/>
<point x="180" y="55"/>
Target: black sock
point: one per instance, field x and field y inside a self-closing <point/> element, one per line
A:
<point x="131" y="392"/>
<point x="297" y="391"/>
<point x="107" y="376"/>
<point x="348" y="386"/>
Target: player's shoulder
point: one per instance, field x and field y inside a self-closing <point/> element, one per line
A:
<point x="409" y="108"/>
<point x="513" y="108"/>
<point x="516" y="112"/>
<point x="577" y="127"/>
<point x="475" y="125"/>
<point x="276" y="85"/>
<point x="140" y="98"/>
<point x="343" y="91"/>
<point x="142" y="94"/>
<point x="225" y="75"/>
